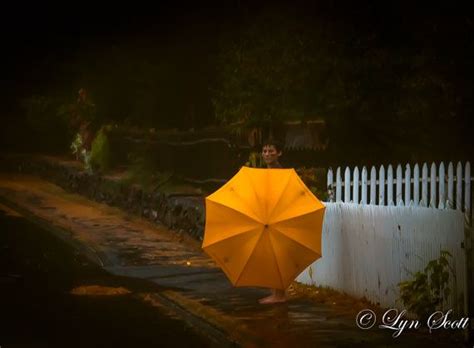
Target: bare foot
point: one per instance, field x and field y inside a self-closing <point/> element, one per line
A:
<point x="272" y="299"/>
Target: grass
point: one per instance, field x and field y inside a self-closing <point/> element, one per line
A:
<point x="345" y="304"/>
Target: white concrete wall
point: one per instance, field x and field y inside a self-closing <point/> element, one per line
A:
<point x="368" y="249"/>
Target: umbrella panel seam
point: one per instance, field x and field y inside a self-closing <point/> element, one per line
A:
<point x="253" y="190"/>
<point x="279" y="198"/>
<point x="233" y="236"/>
<point x="276" y="260"/>
<point x="297" y="242"/>
<point x="297" y="216"/>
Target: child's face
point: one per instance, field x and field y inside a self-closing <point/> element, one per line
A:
<point x="270" y="154"/>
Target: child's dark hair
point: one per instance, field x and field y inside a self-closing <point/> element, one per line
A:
<point x="273" y="142"/>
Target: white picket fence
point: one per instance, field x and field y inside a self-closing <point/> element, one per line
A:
<point x="434" y="188"/>
<point x="367" y="250"/>
<point x="382" y="226"/>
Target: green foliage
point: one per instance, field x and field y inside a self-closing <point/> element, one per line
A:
<point x="314" y="179"/>
<point x="85" y="111"/>
<point x="139" y="82"/>
<point x="143" y="171"/>
<point x="263" y="71"/>
<point x="428" y="289"/>
<point x="255" y="160"/>
<point x="100" y="156"/>
<point x="379" y="100"/>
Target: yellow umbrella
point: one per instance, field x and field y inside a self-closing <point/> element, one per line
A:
<point x="263" y="227"/>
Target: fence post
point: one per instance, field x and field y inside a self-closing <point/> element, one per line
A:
<point x="399" y="197"/>
<point x="338" y="184"/>
<point x="390" y="185"/>
<point x="459" y="186"/>
<point x="407" y="185"/>
<point x="347" y="185"/>
<point x="450" y="201"/>
<point x="433" y="186"/>
<point x="442" y="191"/>
<point x="364" y="186"/>
<point x="373" y="185"/>
<point x="355" y="187"/>
<point x="382" y="185"/>
<point x="424" y="185"/>
<point x="416" y="185"/>
<point x="469" y="234"/>
<point x="467" y="193"/>
<point x="330" y="185"/>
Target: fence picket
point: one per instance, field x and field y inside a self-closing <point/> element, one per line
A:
<point x="459" y="186"/>
<point x="441" y="185"/>
<point x="373" y="185"/>
<point x="467" y="193"/>
<point x="424" y="185"/>
<point x="338" y="184"/>
<point x="450" y="201"/>
<point x="390" y="185"/>
<point x="347" y="185"/>
<point x="434" y="181"/>
<point x="399" y="197"/>
<point x="364" y="186"/>
<point x="407" y="185"/>
<point x="416" y="185"/>
<point x="330" y="185"/>
<point x="382" y="185"/>
<point x="355" y="187"/>
<point x="433" y="186"/>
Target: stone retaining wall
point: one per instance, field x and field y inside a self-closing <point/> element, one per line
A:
<point x="180" y="213"/>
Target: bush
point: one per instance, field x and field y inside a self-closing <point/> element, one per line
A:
<point x="425" y="293"/>
<point x="100" y="156"/>
<point x="315" y="179"/>
<point x="143" y="170"/>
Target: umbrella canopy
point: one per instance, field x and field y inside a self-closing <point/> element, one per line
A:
<point x="263" y="227"/>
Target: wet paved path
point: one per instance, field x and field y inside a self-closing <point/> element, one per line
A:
<point x="52" y="296"/>
<point x="129" y="246"/>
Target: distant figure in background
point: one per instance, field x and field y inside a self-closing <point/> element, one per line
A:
<point x="271" y="153"/>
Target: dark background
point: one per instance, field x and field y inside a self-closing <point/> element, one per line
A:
<point x="116" y="51"/>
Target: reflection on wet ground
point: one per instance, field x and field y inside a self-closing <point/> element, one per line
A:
<point x="50" y="296"/>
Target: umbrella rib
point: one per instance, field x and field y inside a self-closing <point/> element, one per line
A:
<point x="226" y="206"/>
<point x="234" y="236"/>
<point x="296" y="216"/>
<point x="254" y="191"/>
<point x="281" y="195"/>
